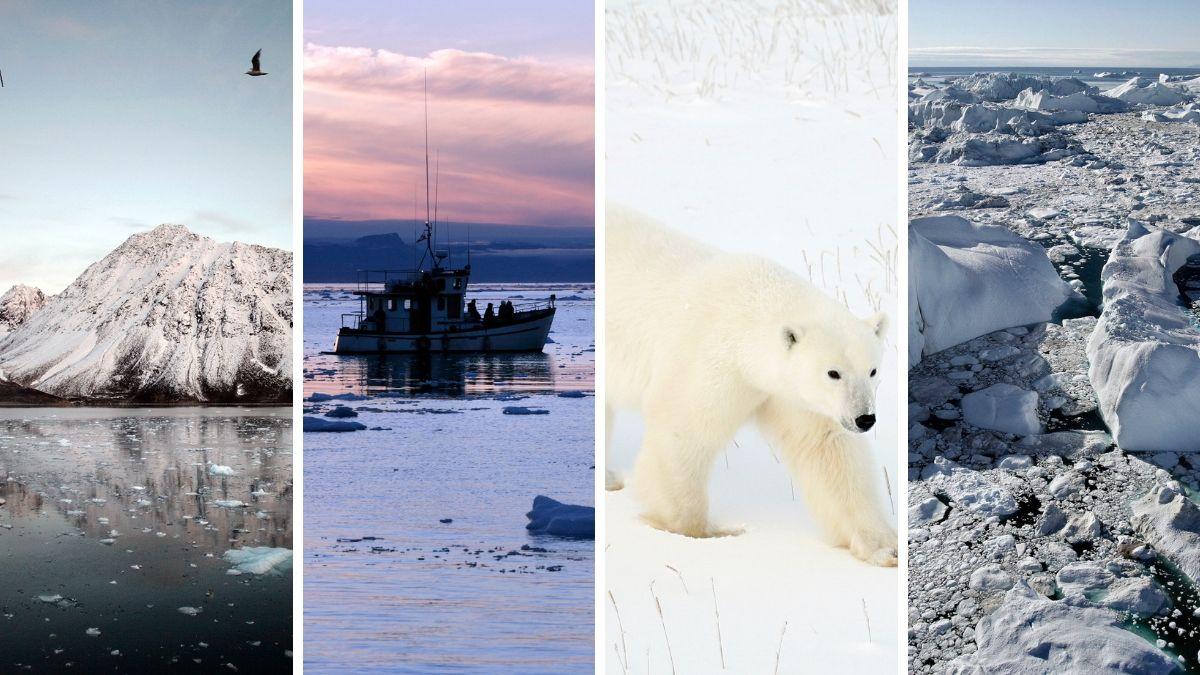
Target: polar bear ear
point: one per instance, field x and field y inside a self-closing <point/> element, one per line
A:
<point x="878" y="324"/>
<point x="791" y="336"/>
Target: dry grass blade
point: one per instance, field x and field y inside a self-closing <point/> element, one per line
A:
<point x="717" y="613"/>
<point x="868" y="618"/>
<point x="779" y="649"/>
<point x="662" y="619"/>
<point x="621" y="628"/>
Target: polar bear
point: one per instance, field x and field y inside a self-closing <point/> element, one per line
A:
<point x="699" y="341"/>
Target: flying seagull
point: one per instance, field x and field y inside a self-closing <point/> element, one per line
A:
<point x="255" y="66"/>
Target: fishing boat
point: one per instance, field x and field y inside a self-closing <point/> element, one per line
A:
<point x="424" y="309"/>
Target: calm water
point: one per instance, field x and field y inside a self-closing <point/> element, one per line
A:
<point x="1087" y="74"/>
<point x="70" y="477"/>
<point x="388" y="586"/>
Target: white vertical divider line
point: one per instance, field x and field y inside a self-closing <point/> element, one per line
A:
<point x="598" y="167"/>
<point x="902" y="333"/>
<point x="297" y="336"/>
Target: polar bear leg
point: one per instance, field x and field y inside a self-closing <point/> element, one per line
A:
<point x="671" y="478"/>
<point x="612" y="478"/>
<point x="832" y="467"/>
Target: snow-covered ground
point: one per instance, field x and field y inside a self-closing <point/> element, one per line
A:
<point x="1033" y="537"/>
<point x="767" y="128"/>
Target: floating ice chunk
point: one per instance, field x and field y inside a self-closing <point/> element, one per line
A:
<point x="930" y="510"/>
<point x="260" y="559"/>
<point x="229" y="503"/>
<point x="968" y="280"/>
<point x="50" y="599"/>
<point x="563" y="520"/>
<point x="340" y="412"/>
<point x="522" y="410"/>
<point x="93" y="632"/>
<point x="987" y="496"/>
<point x="1003" y="407"/>
<point x="314" y="424"/>
<point x="220" y="470"/>
<point x="190" y="611"/>
<point x="1031" y="634"/>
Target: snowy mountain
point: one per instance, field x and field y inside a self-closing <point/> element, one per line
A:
<point x="167" y="317"/>
<point x="17" y="304"/>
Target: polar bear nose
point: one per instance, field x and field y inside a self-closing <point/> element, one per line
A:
<point x="865" y="422"/>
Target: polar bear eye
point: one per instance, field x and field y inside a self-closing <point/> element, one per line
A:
<point x="834" y="375"/>
<point x="872" y="372"/>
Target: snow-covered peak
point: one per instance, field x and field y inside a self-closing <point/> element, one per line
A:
<point x="168" y="316"/>
<point x="17" y="304"/>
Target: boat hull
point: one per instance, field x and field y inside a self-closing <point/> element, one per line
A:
<point x="523" y="336"/>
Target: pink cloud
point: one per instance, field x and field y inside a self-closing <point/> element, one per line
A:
<point x="514" y="137"/>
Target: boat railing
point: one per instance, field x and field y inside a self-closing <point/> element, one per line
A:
<point x="533" y="305"/>
<point x="356" y="316"/>
<point x="377" y="281"/>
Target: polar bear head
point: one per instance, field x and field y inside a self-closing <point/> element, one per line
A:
<point x="829" y="367"/>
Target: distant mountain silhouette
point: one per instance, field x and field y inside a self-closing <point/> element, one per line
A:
<point x="558" y="260"/>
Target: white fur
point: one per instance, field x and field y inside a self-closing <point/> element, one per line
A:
<point x="697" y="341"/>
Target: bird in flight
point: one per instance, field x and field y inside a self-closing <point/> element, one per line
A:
<point x="255" y="65"/>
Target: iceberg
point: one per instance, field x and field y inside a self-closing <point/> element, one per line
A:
<point x="1144" y="352"/>
<point x="967" y="280"/>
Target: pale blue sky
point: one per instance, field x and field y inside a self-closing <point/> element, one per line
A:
<point x="118" y="116"/>
<point x="1164" y="33"/>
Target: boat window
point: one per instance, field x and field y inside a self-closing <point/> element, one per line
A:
<point x="458" y="283"/>
<point x="407" y="303"/>
<point x="455" y="307"/>
<point x="391" y="304"/>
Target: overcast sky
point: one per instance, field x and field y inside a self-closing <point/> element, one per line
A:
<point x="119" y="116"/>
<point x="1163" y="33"/>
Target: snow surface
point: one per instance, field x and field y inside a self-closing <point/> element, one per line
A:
<point x="967" y="279"/>
<point x="1145" y="350"/>
<point x="168" y="316"/>
<point x="783" y="146"/>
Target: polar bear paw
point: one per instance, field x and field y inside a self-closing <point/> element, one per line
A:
<point x="874" y="548"/>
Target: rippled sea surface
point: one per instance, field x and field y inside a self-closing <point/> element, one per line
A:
<point x="113" y="533"/>
<point x="416" y="554"/>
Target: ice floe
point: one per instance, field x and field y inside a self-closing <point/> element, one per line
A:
<point x="1145" y="349"/>
<point x="966" y="280"/>
<point x="260" y="559"/>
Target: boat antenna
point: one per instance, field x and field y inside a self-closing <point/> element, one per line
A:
<point x="428" y="225"/>
<point x="437" y="180"/>
<point x="468" y="244"/>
